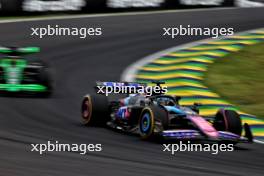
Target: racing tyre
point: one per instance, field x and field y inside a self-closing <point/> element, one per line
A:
<point x="148" y="117"/>
<point x="228" y="120"/>
<point x="45" y="79"/>
<point x="95" y="110"/>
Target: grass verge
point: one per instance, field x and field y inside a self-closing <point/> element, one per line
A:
<point x="239" y="78"/>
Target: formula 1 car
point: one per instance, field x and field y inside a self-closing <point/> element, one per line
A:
<point x="20" y="76"/>
<point x="161" y="116"/>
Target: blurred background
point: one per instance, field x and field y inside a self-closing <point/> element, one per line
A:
<point x="31" y="7"/>
<point x="78" y="63"/>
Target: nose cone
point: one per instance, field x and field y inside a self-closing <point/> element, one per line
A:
<point x="212" y="134"/>
<point x="204" y="126"/>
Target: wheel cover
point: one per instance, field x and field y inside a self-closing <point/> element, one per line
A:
<point x="145" y="123"/>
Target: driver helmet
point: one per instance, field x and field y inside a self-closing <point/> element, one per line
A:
<point x="166" y="102"/>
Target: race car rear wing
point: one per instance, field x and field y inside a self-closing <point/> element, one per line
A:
<point x="16" y="51"/>
<point x="120" y="84"/>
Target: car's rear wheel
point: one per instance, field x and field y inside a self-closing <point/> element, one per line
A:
<point x="149" y="116"/>
<point x="228" y="120"/>
<point x="95" y="110"/>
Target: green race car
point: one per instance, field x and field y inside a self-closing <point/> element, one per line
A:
<point x="19" y="75"/>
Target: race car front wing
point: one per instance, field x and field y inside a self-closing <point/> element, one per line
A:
<point x="197" y="135"/>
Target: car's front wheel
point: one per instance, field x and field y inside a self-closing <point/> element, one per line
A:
<point x="228" y="120"/>
<point x="149" y="116"/>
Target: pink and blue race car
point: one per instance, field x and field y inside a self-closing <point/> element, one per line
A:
<point x="161" y="116"/>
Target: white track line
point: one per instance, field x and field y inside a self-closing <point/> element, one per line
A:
<point x="113" y="14"/>
<point x="130" y="71"/>
<point x="247" y="3"/>
<point x="258" y="141"/>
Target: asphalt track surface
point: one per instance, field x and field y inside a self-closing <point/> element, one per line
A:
<point x="78" y="63"/>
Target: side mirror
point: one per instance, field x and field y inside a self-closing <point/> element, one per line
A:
<point x="177" y="99"/>
<point x="197" y="104"/>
